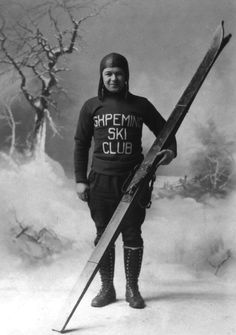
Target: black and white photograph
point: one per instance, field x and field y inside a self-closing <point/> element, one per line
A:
<point x="117" y="167"/>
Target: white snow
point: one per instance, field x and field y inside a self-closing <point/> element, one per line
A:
<point x="186" y="289"/>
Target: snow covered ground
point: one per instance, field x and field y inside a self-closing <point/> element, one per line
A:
<point x="46" y="234"/>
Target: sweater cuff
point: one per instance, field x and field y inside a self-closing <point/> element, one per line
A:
<point x="81" y="180"/>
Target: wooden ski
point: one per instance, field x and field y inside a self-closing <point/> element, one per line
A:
<point x="142" y="176"/>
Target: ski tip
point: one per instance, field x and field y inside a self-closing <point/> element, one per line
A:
<point x="222" y="24"/>
<point x="220" y="40"/>
<point x="219" y="33"/>
<point x="225" y="39"/>
<point x="223" y="31"/>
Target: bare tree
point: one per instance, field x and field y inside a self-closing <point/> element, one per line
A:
<point x="6" y="115"/>
<point x="213" y="166"/>
<point x="38" y="56"/>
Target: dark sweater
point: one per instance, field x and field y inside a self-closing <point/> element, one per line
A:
<point x="116" y="125"/>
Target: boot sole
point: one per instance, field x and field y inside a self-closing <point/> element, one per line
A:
<point x="103" y="305"/>
<point x="141" y="306"/>
<point x="137" y="307"/>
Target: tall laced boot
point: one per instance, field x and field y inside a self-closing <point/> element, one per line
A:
<point x="107" y="293"/>
<point x="133" y="261"/>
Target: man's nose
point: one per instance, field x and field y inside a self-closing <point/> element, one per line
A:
<point x="113" y="77"/>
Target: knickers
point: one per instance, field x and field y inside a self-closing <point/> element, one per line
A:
<point x="105" y="193"/>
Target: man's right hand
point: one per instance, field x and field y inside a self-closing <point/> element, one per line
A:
<point x="82" y="191"/>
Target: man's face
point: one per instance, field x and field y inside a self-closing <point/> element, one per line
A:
<point x="113" y="79"/>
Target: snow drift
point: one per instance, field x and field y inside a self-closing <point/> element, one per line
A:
<point x="47" y="236"/>
<point x="41" y="219"/>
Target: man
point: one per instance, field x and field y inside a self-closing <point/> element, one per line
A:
<point x="114" y="119"/>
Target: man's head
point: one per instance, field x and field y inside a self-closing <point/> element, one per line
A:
<point x="114" y="75"/>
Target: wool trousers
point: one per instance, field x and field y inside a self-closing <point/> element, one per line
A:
<point x="105" y="193"/>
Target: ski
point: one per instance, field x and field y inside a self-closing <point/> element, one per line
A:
<point x="142" y="176"/>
